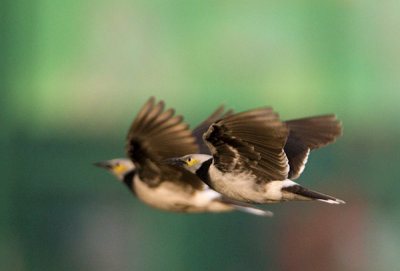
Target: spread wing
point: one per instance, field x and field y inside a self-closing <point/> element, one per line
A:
<point x="250" y="141"/>
<point x="155" y="135"/>
<point x="199" y="131"/>
<point x="307" y="134"/>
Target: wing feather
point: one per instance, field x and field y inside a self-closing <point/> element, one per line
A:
<point x="203" y="127"/>
<point x="307" y="134"/>
<point x="156" y="135"/>
<point x="250" y="141"/>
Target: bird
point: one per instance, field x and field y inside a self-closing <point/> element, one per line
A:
<point x="254" y="157"/>
<point x="155" y="135"/>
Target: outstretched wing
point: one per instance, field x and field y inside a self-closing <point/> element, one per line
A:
<point x="155" y="135"/>
<point x="307" y="134"/>
<point x="199" y="131"/>
<point x="250" y="141"/>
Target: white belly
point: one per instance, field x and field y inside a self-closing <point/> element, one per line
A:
<point x="169" y="196"/>
<point x="236" y="186"/>
<point x="243" y="187"/>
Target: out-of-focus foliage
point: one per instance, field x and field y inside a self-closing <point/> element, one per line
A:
<point x="75" y="73"/>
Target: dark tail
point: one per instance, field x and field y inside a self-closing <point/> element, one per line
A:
<point x="301" y="193"/>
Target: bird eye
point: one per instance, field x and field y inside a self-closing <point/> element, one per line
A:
<point x="189" y="160"/>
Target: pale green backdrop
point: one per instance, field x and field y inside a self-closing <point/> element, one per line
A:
<point x="75" y="73"/>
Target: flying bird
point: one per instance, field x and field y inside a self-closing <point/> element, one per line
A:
<point x="155" y="135"/>
<point x="255" y="156"/>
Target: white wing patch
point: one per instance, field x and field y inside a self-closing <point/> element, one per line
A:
<point x="304" y="164"/>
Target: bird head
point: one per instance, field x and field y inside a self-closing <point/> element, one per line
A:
<point x="190" y="162"/>
<point x="119" y="167"/>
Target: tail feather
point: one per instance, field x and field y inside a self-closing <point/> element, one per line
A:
<point x="253" y="210"/>
<point x="247" y="208"/>
<point x="305" y="194"/>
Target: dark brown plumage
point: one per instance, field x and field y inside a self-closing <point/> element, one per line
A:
<point x="308" y="134"/>
<point x="255" y="156"/>
<point x="199" y="131"/>
<point x="270" y="148"/>
<point x="253" y="140"/>
<point x="156" y="135"/>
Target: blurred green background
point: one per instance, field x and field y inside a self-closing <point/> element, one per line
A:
<point x="75" y="73"/>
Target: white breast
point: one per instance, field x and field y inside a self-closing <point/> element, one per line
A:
<point x="170" y="196"/>
<point x="240" y="186"/>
